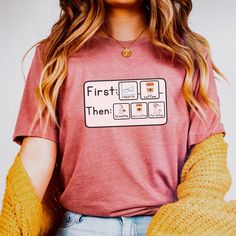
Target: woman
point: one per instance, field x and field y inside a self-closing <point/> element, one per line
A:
<point x="124" y="91"/>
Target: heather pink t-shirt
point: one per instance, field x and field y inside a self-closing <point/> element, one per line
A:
<point x="125" y="127"/>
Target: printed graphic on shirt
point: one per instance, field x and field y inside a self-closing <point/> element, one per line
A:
<point x="131" y="102"/>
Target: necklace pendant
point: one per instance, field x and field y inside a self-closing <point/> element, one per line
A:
<point x="126" y="52"/>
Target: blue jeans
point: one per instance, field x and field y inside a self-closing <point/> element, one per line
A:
<point x="74" y="224"/>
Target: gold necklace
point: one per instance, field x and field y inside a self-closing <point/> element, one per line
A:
<point x="126" y="52"/>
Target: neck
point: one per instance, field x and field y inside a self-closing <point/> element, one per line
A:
<point x="125" y="23"/>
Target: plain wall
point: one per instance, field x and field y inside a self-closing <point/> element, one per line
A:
<point x="23" y="23"/>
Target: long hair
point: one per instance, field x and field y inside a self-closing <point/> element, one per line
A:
<point x="167" y="23"/>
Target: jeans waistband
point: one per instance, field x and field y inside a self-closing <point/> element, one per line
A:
<point x="77" y="216"/>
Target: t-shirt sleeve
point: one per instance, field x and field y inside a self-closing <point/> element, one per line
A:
<point x="28" y="107"/>
<point x="199" y="131"/>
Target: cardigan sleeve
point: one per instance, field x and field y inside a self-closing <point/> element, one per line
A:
<point x="22" y="211"/>
<point x="21" y="207"/>
<point x="200" y="208"/>
<point x="28" y="106"/>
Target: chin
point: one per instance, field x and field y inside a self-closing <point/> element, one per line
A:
<point x="120" y="3"/>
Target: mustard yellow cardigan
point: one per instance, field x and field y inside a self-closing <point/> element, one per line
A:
<point x="200" y="209"/>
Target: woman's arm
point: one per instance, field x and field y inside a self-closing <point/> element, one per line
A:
<point x="29" y="203"/>
<point x="39" y="156"/>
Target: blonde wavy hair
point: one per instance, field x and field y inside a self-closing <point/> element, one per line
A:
<point x="80" y="20"/>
